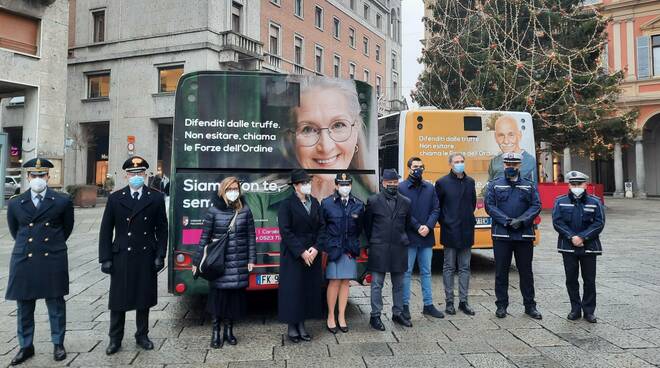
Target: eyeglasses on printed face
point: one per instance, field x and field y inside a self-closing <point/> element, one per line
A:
<point x="308" y="134"/>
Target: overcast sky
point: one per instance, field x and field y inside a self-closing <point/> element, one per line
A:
<point x="412" y="32"/>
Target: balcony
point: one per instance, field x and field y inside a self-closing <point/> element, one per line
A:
<point x="240" y="51"/>
<point x="278" y="64"/>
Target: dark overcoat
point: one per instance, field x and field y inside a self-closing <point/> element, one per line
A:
<point x="39" y="267"/>
<point x="133" y="234"/>
<point x="458" y="200"/>
<point x="300" y="286"/>
<point x="386" y="232"/>
<point x="241" y="245"/>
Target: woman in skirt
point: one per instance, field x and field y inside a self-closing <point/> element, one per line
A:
<point x="342" y="213"/>
<point x="226" y="299"/>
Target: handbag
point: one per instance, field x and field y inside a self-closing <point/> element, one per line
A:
<point x="212" y="264"/>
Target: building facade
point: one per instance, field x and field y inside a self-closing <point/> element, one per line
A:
<point x="125" y="59"/>
<point x="33" y="62"/>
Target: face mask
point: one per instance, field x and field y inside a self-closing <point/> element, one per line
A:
<point x="392" y="189"/>
<point x="344" y="190"/>
<point x="417" y="173"/>
<point x="38" y="185"/>
<point x="306" y="189"/>
<point x="136" y="181"/>
<point x="232" y="195"/>
<point x="459" y="168"/>
<point x="577" y="191"/>
<point x="510" y="172"/>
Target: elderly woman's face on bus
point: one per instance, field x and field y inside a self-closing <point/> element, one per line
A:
<point x="326" y="130"/>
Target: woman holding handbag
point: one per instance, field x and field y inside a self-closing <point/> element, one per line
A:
<point x="342" y="213"/>
<point x="301" y="277"/>
<point x="231" y="218"/>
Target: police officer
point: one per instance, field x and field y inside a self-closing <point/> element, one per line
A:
<point x="136" y="215"/>
<point x="40" y="220"/>
<point x="343" y="215"/>
<point x="579" y="218"/>
<point x="513" y="203"/>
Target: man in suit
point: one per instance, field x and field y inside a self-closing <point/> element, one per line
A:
<point x="40" y="220"/>
<point x="134" y="255"/>
<point x="387" y="219"/>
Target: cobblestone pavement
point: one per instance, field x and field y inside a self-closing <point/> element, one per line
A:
<point x="627" y="334"/>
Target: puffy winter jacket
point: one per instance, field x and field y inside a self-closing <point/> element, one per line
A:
<point x="241" y="247"/>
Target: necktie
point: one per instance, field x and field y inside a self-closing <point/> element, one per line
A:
<point x="344" y="202"/>
<point x="39" y="198"/>
<point x="135" y="195"/>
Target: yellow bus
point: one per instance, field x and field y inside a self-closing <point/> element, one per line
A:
<point x="480" y="135"/>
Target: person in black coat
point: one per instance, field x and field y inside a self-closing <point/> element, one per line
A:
<point x="132" y="249"/>
<point x="40" y="220"/>
<point x="227" y="300"/>
<point x="301" y="278"/>
<point x="387" y="219"/>
<point x="458" y="200"/>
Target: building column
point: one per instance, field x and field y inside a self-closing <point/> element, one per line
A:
<point x="547" y="161"/>
<point x="567" y="165"/>
<point x="30" y="143"/>
<point x="618" y="171"/>
<point x="640" y="171"/>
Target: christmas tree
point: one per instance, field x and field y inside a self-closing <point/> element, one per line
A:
<point x="540" y="56"/>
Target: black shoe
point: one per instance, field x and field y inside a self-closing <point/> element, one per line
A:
<point x="304" y="336"/>
<point x="376" y="323"/>
<point x="406" y="312"/>
<point x="293" y="334"/>
<point x="293" y="339"/>
<point x="574" y="315"/>
<point x="590" y="317"/>
<point x="343" y="329"/>
<point x="59" y="353"/>
<point x="449" y="309"/>
<point x="333" y="330"/>
<point x="113" y="347"/>
<point x="500" y="312"/>
<point x="401" y="320"/>
<point x="228" y="334"/>
<point x="465" y="308"/>
<point x="216" y="340"/>
<point x="144" y="343"/>
<point x="431" y="310"/>
<point x="23" y="355"/>
<point x="533" y="312"/>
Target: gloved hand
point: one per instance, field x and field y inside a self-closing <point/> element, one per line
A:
<point x="106" y="267"/>
<point x="516" y="223"/>
<point x="159" y="264"/>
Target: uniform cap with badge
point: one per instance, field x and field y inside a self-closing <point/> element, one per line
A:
<point x="576" y="177"/>
<point x="511" y="158"/>
<point x="38" y="166"/>
<point x="135" y="164"/>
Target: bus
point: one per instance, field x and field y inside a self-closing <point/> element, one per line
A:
<point x="258" y="127"/>
<point x="482" y="136"/>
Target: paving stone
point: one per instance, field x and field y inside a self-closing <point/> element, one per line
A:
<point x="466" y="346"/>
<point x="651" y="356"/>
<point x="236" y="353"/>
<point x="534" y="362"/>
<point x="418" y="361"/>
<point x="98" y="358"/>
<point x="326" y="362"/>
<point x="626" y="360"/>
<point x="173" y="356"/>
<point x="418" y="347"/>
<point x="366" y="349"/>
<point x="488" y="360"/>
<point x="301" y="350"/>
<point x="538" y="337"/>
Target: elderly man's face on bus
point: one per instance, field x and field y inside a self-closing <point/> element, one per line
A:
<point x="507" y="134"/>
<point x="326" y="130"/>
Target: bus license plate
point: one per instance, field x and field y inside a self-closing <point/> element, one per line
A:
<point x="268" y="279"/>
<point x="484" y="221"/>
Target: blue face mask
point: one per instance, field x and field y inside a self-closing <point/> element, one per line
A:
<point x="510" y="172"/>
<point x="136" y="181"/>
<point x="459" y="167"/>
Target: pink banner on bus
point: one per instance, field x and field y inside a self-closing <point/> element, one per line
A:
<point x="191" y="236"/>
<point x="268" y="234"/>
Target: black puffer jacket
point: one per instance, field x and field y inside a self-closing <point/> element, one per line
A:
<point x="240" y="249"/>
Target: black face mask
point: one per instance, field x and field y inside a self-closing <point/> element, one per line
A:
<point x="417" y="174"/>
<point x="391" y="189"/>
<point x="511" y="172"/>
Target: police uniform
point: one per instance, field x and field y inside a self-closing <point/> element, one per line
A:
<point x="40" y="223"/>
<point x="513" y="203"/>
<point x="580" y="216"/>
<point x="134" y="255"/>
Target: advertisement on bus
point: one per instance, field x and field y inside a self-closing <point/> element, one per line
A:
<point x="259" y="127"/>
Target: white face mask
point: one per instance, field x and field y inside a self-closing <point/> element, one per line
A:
<point x="38" y="185"/>
<point x="232" y="195"/>
<point x="344" y="190"/>
<point x="306" y="189"/>
<point x="577" y="191"/>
